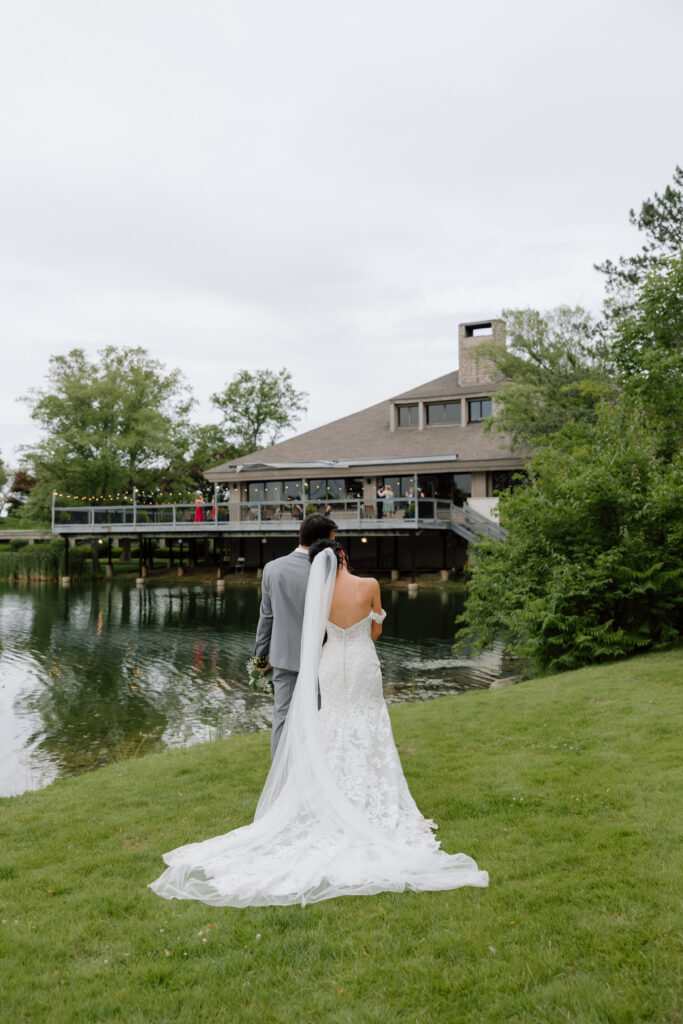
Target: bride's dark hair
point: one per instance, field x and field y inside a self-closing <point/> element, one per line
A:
<point x="319" y="545"/>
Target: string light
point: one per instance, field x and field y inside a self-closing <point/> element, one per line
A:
<point x="142" y="497"/>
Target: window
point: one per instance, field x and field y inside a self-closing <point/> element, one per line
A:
<point x="317" y="490"/>
<point x="480" y="409"/>
<point x="335" y="488"/>
<point x="462" y="487"/>
<point x="274" y="490"/>
<point x="400" y="485"/>
<point x="407" y="415"/>
<point x="443" y="412"/>
<point x="291" y="490"/>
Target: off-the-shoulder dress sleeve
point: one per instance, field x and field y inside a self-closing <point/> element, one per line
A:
<point x="378" y="617"/>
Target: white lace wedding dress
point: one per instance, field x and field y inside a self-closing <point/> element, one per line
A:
<point x="336" y="816"/>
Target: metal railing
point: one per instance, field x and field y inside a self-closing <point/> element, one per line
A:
<point x="226" y="516"/>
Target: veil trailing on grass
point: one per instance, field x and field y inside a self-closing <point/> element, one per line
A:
<point x="308" y="841"/>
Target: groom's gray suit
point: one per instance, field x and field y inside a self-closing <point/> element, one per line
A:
<point x="283" y="594"/>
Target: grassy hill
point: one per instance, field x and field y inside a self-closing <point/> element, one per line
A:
<point x="564" y="789"/>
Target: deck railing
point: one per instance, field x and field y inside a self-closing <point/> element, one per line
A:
<point x="276" y="515"/>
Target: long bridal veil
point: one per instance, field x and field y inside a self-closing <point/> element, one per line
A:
<point x="308" y="842"/>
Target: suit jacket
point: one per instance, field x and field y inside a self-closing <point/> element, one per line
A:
<point x="283" y="595"/>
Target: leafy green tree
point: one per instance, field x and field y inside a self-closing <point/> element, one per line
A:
<point x="108" y="425"/>
<point x="258" y="407"/>
<point x="647" y="351"/>
<point x="553" y="374"/>
<point x="661" y="221"/>
<point x="592" y="564"/>
<point x="209" y="448"/>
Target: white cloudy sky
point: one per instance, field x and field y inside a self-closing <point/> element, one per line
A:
<point x="332" y="187"/>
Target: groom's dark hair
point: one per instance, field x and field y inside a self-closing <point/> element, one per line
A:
<point x="315" y="527"/>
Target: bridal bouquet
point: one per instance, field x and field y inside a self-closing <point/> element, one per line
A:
<point x="260" y="681"/>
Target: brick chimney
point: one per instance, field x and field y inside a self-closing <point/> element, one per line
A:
<point x="473" y="368"/>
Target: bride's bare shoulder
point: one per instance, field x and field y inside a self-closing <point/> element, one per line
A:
<point x="370" y="589"/>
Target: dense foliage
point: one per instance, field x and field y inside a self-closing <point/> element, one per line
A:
<point x="592" y="564"/>
<point x="647" y="352"/>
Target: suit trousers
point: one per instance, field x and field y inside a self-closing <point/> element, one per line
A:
<point x="284" y="680"/>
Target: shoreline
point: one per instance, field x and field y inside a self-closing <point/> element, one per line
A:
<point x="207" y="577"/>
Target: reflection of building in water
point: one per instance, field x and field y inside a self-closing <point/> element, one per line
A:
<point x="405" y="458"/>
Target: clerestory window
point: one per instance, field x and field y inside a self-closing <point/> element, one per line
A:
<point x="408" y="415"/>
<point x="443" y="412"/>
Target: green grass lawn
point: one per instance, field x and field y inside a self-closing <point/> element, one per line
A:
<point x="564" y="789"/>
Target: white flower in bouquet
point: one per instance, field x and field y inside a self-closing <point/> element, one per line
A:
<point x="260" y="681"/>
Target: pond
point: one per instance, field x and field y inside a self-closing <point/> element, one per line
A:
<point x="96" y="673"/>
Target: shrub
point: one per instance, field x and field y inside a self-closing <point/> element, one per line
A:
<point x="592" y="565"/>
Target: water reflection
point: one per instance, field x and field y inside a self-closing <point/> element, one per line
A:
<point x="89" y="675"/>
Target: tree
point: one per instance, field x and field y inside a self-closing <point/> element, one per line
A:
<point x="18" y="491"/>
<point x="661" y="221"/>
<point x="647" y="351"/>
<point x="592" y="565"/>
<point x="109" y="424"/>
<point x="209" y="448"/>
<point x="553" y="373"/>
<point x="258" y="407"/>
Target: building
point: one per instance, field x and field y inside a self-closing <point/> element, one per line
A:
<point x="366" y="470"/>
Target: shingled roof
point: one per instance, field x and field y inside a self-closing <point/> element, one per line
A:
<point x="367" y="435"/>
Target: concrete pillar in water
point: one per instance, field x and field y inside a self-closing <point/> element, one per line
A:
<point x="395" y="574"/>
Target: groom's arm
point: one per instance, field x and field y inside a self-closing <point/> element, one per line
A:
<point x="265" y="619"/>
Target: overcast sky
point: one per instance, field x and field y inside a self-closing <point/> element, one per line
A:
<point x="330" y="187"/>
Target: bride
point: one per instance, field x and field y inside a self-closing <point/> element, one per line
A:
<point x="336" y="817"/>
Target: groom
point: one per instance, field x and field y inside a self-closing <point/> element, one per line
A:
<point x="283" y="593"/>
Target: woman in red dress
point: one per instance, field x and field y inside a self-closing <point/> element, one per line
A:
<point x="199" y="508"/>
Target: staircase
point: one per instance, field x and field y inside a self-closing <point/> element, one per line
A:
<point x="473" y="526"/>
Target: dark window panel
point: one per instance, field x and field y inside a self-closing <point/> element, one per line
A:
<point x="479" y="409"/>
<point x="407" y="415"/>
